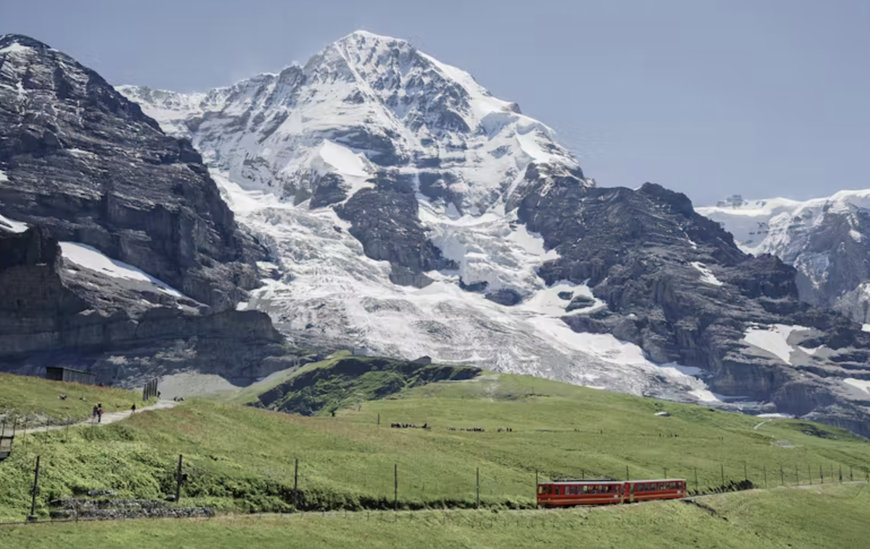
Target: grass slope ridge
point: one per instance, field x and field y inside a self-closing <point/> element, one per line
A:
<point x="37" y="400"/>
<point x="345" y="380"/>
<point x="242" y="458"/>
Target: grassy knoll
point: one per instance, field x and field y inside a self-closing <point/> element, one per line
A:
<point x="35" y="398"/>
<point x="241" y="458"/>
<point x="343" y="380"/>
<point x="816" y="517"/>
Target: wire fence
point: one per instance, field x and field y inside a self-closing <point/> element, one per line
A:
<point x="306" y="486"/>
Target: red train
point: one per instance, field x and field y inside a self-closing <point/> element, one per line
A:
<point x="602" y="492"/>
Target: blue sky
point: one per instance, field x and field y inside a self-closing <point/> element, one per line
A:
<point x="761" y="98"/>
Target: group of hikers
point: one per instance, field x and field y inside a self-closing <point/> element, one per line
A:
<point x="97" y="413"/>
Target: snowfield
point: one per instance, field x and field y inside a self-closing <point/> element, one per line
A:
<point x="773" y="339"/>
<point x="860" y="384"/>
<point x="93" y="259"/>
<point x="331" y="292"/>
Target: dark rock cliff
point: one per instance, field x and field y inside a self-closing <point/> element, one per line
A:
<point x="84" y="162"/>
<point x="51" y="313"/>
<point x="676" y="284"/>
<point x="80" y="163"/>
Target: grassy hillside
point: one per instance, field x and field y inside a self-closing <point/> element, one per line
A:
<point x="32" y="398"/>
<point x="242" y="458"/>
<point x="344" y="380"/>
<point x="816" y="517"/>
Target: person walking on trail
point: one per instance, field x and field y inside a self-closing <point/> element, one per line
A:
<point x="94" y="413"/>
<point x="133" y="408"/>
<point x="100" y="412"/>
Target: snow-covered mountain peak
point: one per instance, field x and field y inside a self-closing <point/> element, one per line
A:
<point x="826" y="239"/>
<point x="377" y="96"/>
<point x="11" y="43"/>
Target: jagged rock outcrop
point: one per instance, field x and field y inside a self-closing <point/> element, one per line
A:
<point x="53" y="312"/>
<point x="117" y="253"/>
<point x="80" y="160"/>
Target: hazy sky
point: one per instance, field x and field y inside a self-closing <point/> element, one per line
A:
<point x="710" y="98"/>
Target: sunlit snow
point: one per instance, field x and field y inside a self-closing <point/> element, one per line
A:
<point x="707" y="276"/>
<point x="862" y="384"/>
<point x="773" y="339"/>
<point x="93" y="259"/>
<point x="12" y="226"/>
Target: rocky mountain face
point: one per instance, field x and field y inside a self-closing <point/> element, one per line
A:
<point x="78" y="158"/>
<point x="59" y="307"/>
<point x="117" y="253"/>
<point x="827" y="240"/>
<point x="410" y="213"/>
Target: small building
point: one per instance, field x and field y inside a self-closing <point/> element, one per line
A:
<point x="59" y="373"/>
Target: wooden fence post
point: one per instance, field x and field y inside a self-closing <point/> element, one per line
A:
<point x="34" y="491"/>
<point x="178" y="478"/>
<point x="477" y="488"/>
<point x="296" y="483"/>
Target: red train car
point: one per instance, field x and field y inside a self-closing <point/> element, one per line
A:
<point x="603" y="492"/>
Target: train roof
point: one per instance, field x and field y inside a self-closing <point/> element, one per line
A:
<point x="596" y="481"/>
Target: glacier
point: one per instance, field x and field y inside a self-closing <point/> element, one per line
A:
<point x="369" y="108"/>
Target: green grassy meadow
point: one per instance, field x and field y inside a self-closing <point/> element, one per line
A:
<point x="812" y="517"/>
<point x="35" y="399"/>
<point x="242" y="459"/>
